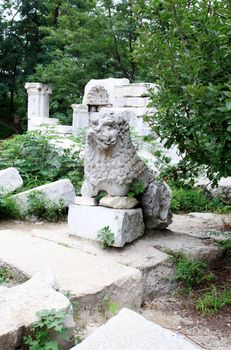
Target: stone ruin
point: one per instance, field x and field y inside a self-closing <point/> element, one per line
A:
<point x="112" y="165"/>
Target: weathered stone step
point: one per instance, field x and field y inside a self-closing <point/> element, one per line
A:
<point x="131" y="275"/>
<point x="88" y="277"/>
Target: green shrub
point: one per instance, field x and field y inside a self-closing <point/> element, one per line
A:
<point x="106" y="237"/>
<point x="226" y="245"/>
<point x="45" y="209"/>
<point x="194" y="200"/>
<point x="38" y="162"/>
<point x="213" y="300"/>
<point x="8" y="208"/>
<point x="136" y="187"/>
<point x="191" y="273"/>
<point x="49" y="326"/>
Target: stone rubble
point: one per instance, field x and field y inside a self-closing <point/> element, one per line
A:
<point x="19" y="305"/>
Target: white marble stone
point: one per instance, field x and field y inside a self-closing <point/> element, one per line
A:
<point x="52" y="192"/>
<point x="80" y="118"/>
<point x="19" y="305"/>
<point x="41" y="123"/>
<point x="38" y="101"/>
<point x="86" y="222"/>
<point x="109" y="84"/>
<point x="133" y="90"/>
<point x="118" y="202"/>
<point x="85" y="201"/>
<point x="131" y="331"/>
<point x="10" y="180"/>
<point x="140" y="102"/>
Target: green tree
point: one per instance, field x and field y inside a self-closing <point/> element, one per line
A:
<point x="185" y="47"/>
<point x="91" y="40"/>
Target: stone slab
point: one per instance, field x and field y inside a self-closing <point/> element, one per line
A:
<point x="118" y="202"/>
<point x="126" y="224"/>
<point x="19" y="305"/>
<point x="85" y="201"/>
<point x="77" y="269"/>
<point x="132" y="90"/>
<point x="53" y="192"/>
<point x="131" y="331"/>
<point x="131" y="101"/>
<point x="10" y="180"/>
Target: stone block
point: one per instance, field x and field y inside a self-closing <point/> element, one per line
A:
<point x="118" y="202"/>
<point x="129" y="330"/>
<point x="10" y="180"/>
<point x="53" y="192"/>
<point x="126" y="224"/>
<point x="85" y="201"/>
<point x="131" y="101"/>
<point x="132" y="90"/>
<point x="36" y="123"/>
<point x="19" y="305"/>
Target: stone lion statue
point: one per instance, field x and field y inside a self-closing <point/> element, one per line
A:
<point x="112" y="164"/>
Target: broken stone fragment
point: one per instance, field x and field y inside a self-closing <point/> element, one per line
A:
<point x="10" y="180"/>
<point x="19" y="305"/>
<point x="118" y="202"/>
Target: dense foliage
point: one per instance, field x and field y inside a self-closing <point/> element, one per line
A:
<point x="39" y="162"/>
<point x="185" y="47"/>
<point x="65" y="43"/>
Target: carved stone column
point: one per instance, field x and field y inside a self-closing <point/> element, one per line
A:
<point x="80" y="118"/>
<point x="38" y="103"/>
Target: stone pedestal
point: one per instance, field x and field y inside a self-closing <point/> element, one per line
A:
<point x="86" y="221"/>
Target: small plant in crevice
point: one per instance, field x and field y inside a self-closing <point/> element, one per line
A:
<point x="107" y="307"/>
<point x="46" y="331"/>
<point x="191" y="273"/>
<point x="45" y="209"/>
<point x="106" y="237"/>
<point x="5" y="275"/>
<point x="136" y="187"/>
<point x="213" y="300"/>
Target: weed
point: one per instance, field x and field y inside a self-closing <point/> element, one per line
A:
<point x="49" y="326"/>
<point x="190" y="273"/>
<point x="8" y="208"/>
<point x="108" y="308"/>
<point x="136" y="187"/>
<point x="45" y="209"/>
<point x="213" y="300"/>
<point x="5" y="275"/>
<point x="194" y="200"/>
<point x="106" y="237"/>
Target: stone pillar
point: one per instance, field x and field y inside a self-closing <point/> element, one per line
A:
<point x="38" y="104"/>
<point x="80" y="118"/>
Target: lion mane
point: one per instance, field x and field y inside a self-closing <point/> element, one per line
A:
<point x="110" y="154"/>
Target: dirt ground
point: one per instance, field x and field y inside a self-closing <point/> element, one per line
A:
<point x="178" y="313"/>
